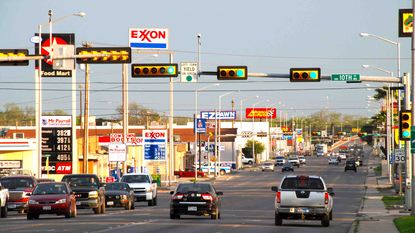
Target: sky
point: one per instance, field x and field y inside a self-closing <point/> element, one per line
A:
<point x="267" y="36"/>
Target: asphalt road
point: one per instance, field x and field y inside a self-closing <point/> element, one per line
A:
<point x="247" y="206"/>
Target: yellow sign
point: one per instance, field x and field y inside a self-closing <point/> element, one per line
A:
<point x="355" y="130"/>
<point x="406" y="19"/>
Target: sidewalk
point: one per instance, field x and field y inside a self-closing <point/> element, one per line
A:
<point x="372" y="215"/>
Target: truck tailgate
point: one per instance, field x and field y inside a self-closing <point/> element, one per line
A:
<point x="298" y="198"/>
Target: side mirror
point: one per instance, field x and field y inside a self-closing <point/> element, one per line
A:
<point x="330" y="191"/>
<point x="219" y="193"/>
<point x="274" y="188"/>
<point x="171" y="192"/>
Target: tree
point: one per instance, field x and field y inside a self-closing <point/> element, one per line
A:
<point x="56" y="112"/>
<point x="138" y="114"/>
<point x="14" y="114"/>
<point x="259" y="148"/>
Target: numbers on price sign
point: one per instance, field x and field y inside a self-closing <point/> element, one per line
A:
<point x="64" y="157"/>
<point x="62" y="140"/>
<point x="63" y="132"/>
<point x="63" y="147"/>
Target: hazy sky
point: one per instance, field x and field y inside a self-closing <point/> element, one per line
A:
<point x="267" y="36"/>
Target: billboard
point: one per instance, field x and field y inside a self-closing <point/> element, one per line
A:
<point x="261" y="113"/>
<point x="406" y="19"/>
<point x="148" y="38"/>
<point x="222" y="115"/>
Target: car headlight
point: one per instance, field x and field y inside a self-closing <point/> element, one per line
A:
<point x="149" y="189"/>
<point x="33" y="202"/>
<point x="123" y="196"/>
<point x="93" y="194"/>
<point x="61" y="201"/>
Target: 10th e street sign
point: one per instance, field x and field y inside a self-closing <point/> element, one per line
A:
<point x="345" y="77"/>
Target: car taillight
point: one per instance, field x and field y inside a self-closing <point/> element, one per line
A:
<point x="177" y="197"/>
<point x="326" y="198"/>
<point x="278" y="197"/>
<point x="207" y="197"/>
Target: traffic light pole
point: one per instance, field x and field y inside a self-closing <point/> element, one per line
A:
<point x="413" y="112"/>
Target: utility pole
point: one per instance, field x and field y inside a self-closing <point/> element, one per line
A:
<point x="86" y="115"/>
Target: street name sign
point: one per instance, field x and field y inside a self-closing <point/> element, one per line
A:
<point x="345" y="77"/>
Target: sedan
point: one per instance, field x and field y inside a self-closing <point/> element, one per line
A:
<point x="51" y="198"/>
<point x="198" y="199"/>
<point x="333" y="160"/>
<point x="287" y="167"/>
<point x="267" y="166"/>
<point x="119" y="194"/>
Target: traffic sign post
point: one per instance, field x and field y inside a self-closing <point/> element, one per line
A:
<point x="400" y="156"/>
<point x="188" y="72"/>
<point x="345" y="77"/>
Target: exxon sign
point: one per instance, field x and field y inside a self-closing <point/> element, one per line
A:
<point x="149" y="38"/>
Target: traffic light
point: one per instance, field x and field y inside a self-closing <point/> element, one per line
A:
<point x="305" y="75"/>
<point x="405" y="122"/>
<point x="7" y="57"/>
<point x="104" y="55"/>
<point x="154" y="70"/>
<point x="232" y="73"/>
<point x="316" y="133"/>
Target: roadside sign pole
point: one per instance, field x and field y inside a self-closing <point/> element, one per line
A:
<point x="413" y="113"/>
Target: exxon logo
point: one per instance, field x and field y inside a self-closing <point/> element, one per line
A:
<point x="149" y="38"/>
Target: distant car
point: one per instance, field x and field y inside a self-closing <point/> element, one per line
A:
<point x="145" y="188"/>
<point x="195" y="199"/>
<point x="280" y="160"/>
<point x="333" y="160"/>
<point x="350" y="165"/>
<point x="287" y="167"/>
<point x="119" y="194"/>
<point x="189" y="173"/>
<point x="294" y="160"/>
<point x="246" y="160"/>
<point x="268" y="166"/>
<point x="52" y="198"/>
<point x="302" y="159"/>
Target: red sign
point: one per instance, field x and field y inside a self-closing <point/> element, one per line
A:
<point x="63" y="167"/>
<point x="109" y="179"/>
<point x="261" y="113"/>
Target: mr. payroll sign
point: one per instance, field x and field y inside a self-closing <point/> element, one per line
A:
<point x="149" y="38"/>
<point x="222" y="115"/>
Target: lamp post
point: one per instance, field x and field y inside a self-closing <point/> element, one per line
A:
<point x="38" y="92"/>
<point x="253" y="127"/>
<point x="195" y="119"/>
<point x="219" y="130"/>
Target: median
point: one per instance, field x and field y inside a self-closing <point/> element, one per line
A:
<point x="405" y="224"/>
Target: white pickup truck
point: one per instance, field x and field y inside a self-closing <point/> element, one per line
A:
<point x="4" y="198"/>
<point x="143" y="185"/>
<point x="303" y="197"/>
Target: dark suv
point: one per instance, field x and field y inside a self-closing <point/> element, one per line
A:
<point x="350" y="165"/>
<point x="88" y="191"/>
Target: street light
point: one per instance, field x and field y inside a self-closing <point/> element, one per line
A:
<point x="219" y="134"/>
<point x="38" y="94"/>
<point x="195" y="145"/>
<point x="241" y="112"/>
<point x="253" y="126"/>
<point x="378" y="68"/>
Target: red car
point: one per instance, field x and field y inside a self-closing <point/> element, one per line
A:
<point x="52" y="198"/>
<point x="189" y="173"/>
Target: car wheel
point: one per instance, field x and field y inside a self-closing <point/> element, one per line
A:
<point x="97" y="210"/>
<point x="133" y="205"/>
<point x="3" y="211"/>
<point x="325" y="221"/>
<point x="199" y="176"/>
<point x="222" y="172"/>
<point x="128" y="206"/>
<point x="355" y="170"/>
<point x="36" y="216"/>
<point x="68" y="213"/>
<point x="250" y="162"/>
<point x="155" y="201"/>
<point x="29" y="217"/>
<point x="172" y="216"/>
<point x="103" y="207"/>
<point x="150" y="202"/>
<point x="215" y="215"/>
<point x="278" y="220"/>
<point x="331" y="215"/>
<point x="74" y="212"/>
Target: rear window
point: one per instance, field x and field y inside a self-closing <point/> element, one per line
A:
<point x="302" y="183"/>
<point x="200" y="188"/>
<point x="17" y="183"/>
<point x="50" y="188"/>
<point x="116" y="186"/>
<point x="79" y="181"/>
<point x="135" y="179"/>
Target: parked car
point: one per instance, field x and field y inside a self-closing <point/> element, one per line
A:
<point x="119" y="194"/>
<point x="333" y="160"/>
<point x="189" y="173"/>
<point x="280" y="160"/>
<point x="350" y="165"/>
<point x="144" y="187"/>
<point x="52" y="198"/>
<point x="20" y="187"/>
<point x="268" y="166"/>
<point x="246" y="160"/>
<point x="302" y="159"/>
<point x="222" y="168"/>
<point x="4" y="199"/>
<point x="294" y="160"/>
<point x="88" y="191"/>
<point x="303" y="197"/>
<point x="287" y="167"/>
<point x="199" y="199"/>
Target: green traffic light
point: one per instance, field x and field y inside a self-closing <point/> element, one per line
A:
<point x="170" y="70"/>
<point x="406" y="134"/>
<point x="240" y="73"/>
<point x="313" y="75"/>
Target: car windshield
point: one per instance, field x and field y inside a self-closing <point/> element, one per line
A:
<point x="288" y="164"/>
<point x="302" y="182"/>
<point x="280" y="157"/>
<point x="267" y="164"/>
<point x="194" y="187"/>
<point x="293" y="158"/>
<point x="135" y="179"/>
<point x="50" y="188"/>
<point x="17" y="183"/>
<point x="76" y="181"/>
<point x="116" y="186"/>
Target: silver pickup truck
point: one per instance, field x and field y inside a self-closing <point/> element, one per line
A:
<point x="303" y="197"/>
<point x="4" y="198"/>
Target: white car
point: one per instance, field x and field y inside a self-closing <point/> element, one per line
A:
<point x="302" y="159"/>
<point x="333" y="160"/>
<point x="280" y="160"/>
<point x="143" y="185"/>
<point x="267" y="166"/>
<point x="294" y="160"/>
<point x="246" y="160"/>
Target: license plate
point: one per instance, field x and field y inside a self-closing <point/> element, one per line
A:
<point x="78" y="203"/>
<point x="192" y="208"/>
<point x="47" y="207"/>
<point x="110" y="203"/>
<point x="292" y="210"/>
<point x="302" y="210"/>
<point x="11" y="206"/>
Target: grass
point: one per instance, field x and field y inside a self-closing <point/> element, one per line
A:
<point x="378" y="170"/>
<point x="405" y="224"/>
<point x="390" y="201"/>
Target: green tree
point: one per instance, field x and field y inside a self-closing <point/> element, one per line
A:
<point x="138" y="114"/>
<point x="56" y="112"/>
<point x="259" y="148"/>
